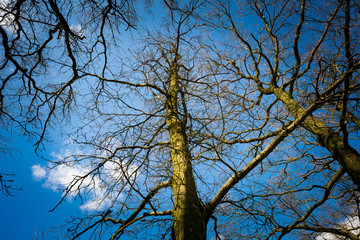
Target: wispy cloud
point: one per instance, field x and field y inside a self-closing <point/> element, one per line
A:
<point x="77" y="29"/>
<point x="38" y="172"/>
<point x="7" y="18"/>
<point x="348" y="224"/>
<point x="58" y="177"/>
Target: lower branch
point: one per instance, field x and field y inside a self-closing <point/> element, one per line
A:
<point x="236" y="177"/>
<point x="327" y="192"/>
<point x="146" y="200"/>
<point x="126" y="224"/>
<point x="335" y="231"/>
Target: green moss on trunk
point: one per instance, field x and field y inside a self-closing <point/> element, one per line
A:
<point x="348" y="158"/>
<point x="188" y="211"/>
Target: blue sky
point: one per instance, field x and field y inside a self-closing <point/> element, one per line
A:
<point x="27" y="214"/>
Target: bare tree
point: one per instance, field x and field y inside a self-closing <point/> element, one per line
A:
<point x="207" y="127"/>
<point x="38" y="37"/>
<point x="300" y="55"/>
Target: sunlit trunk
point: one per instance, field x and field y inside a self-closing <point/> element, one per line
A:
<point x="188" y="211"/>
<point x="348" y="158"/>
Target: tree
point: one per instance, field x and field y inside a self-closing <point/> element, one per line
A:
<point x="28" y="100"/>
<point x="6" y="179"/>
<point x="203" y="125"/>
<point x="301" y="55"/>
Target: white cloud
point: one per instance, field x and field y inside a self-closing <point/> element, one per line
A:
<point x="77" y="29"/>
<point x="348" y="224"/>
<point x="6" y="19"/>
<point x="4" y="3"/>
<point x="38" y="172"/>
<point x="61" y="176"/>
<point x="326" y="236"/>
<point x="58" y="177"/>
<point x="96" y="203"/>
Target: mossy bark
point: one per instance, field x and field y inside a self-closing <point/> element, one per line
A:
<point x="188" y="211"/>
<point x="348" y="157"/>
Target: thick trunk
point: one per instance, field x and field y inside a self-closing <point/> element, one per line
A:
<point x="188" y="211"/>
<point x="348" y="158"/>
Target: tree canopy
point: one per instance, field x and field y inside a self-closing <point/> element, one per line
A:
<point x="197" y="119"/>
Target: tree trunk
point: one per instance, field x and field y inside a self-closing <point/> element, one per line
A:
<point x="347" y="157"/>
<point x="188" y="211"/>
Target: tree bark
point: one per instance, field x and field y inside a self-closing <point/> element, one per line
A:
<point x="188" y="211"/>
<point x="347" y="157"/>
